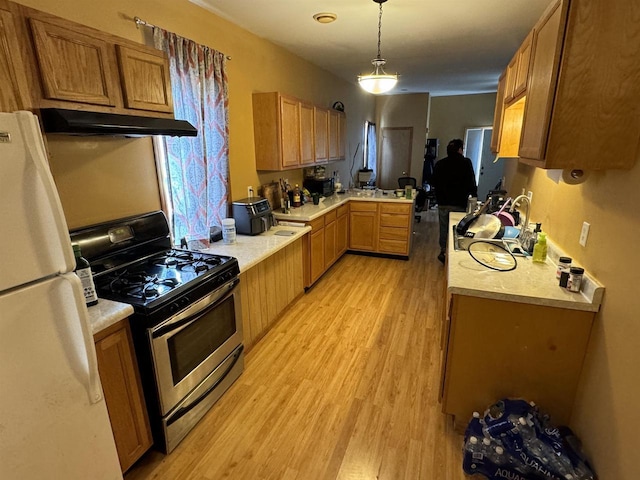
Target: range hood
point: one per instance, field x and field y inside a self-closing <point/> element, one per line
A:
<point x="76" y="122"/>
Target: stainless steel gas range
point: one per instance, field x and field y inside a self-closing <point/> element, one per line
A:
<point x="186" y="326"/>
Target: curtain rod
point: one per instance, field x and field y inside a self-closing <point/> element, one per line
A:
<point x="139" y="22"/>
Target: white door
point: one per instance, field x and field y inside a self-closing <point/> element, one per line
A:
<point x="478" y="149"/>
<point x="54" y="421"/>
<point x="35" y="238"/>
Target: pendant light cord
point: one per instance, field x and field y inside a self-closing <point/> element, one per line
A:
<point x="379" y="31"/>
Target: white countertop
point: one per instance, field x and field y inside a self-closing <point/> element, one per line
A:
<point x="530" y="282"/>
<point x="309" y="211"/>
<point x="253" y="249"/>
<point x="106" y="313"/>
<point x="249" y="250"/>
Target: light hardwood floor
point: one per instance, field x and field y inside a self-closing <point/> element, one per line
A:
<point x="344" y="386"/>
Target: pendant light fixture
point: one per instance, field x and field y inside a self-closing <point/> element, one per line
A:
<point x="379" y="81"/>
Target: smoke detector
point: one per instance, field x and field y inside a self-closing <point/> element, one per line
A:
<point x="325" y="17"/>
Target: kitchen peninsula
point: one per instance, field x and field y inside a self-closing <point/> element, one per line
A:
<point x="362" y="221"/>
<point x="512" y="334"/>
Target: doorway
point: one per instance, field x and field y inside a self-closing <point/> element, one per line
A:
<point x="488" y="170"/>
<point x="395" y="157"/>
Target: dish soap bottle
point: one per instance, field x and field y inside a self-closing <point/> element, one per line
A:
<point x="540" y="248"/>
<point x="83" y="271"/>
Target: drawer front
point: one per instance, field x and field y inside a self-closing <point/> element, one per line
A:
<point x="317" y="223"/>
<point x="343" y="210"/>
<point x="393" y="246"/>
<point x="386" y="207"/>
<point x="364" y="206"/>
<point x="389" y="233"/>
<point x="330" y="217"/>
<point x="394" y="220"/>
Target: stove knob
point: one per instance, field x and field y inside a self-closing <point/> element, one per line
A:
<point x="184" y="301"/>
<point x="174" y="307"/>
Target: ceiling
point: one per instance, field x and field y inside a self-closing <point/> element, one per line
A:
<point x="441" y="47"/>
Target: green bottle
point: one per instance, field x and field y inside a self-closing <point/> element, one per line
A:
<point x="540" y="248"/>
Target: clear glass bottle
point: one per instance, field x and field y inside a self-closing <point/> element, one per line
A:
<point x="83" y="271"/>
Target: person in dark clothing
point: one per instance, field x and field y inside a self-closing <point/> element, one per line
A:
<point x="453" y="181"/>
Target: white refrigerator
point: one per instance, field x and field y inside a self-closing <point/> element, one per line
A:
<point x="53" y="418"/>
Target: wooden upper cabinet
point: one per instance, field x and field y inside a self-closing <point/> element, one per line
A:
<point x="584" y="84"/>
<point x="544" y="71"/>
<point x="512" y="69"/>
<point x="291" y="133"/>
<point x="522" y="71"/>
<point x="497" y="114"/>
<point x="342" y="135"/>
<point x="307" y="145"/>
<point x="321" y="135"/>
<point x="14" y="94"/>
<point x="74" y="66"/>
<point x="337" y="133"/>
<point x="146" y="82"/>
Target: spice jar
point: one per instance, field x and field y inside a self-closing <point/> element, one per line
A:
<point x="575" y="279"/>
<point x="564" y="264"/>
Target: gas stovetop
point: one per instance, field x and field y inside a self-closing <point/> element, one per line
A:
<point x="160" y="276"/>
<point x="132" y="262"/>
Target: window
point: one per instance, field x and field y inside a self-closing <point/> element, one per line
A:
<point x="370" y="150"/>
<point x="194" y="171"/>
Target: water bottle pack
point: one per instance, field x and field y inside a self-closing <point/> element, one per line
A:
<point x="513" y="440"/>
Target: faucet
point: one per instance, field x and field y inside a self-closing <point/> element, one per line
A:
<point x="514" y="204"/>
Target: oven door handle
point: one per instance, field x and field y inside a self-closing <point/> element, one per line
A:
<point x="184" y="410"/>
<point x="222" y="294"/>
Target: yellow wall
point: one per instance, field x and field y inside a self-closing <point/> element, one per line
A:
<point x="606" y="415"/>
<point x="127" y="166"/>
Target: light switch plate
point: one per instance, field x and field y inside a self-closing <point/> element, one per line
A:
<point x="584" y="234"/>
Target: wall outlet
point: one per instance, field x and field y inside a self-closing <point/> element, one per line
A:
<point x="584" y="234"/>
<point x="530" y="195"/>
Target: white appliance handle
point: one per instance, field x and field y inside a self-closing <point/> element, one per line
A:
<point x="37" y="152"/>
<point x="94" y="387"/>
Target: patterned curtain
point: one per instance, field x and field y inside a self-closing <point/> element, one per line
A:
<point x="197" y="167"/>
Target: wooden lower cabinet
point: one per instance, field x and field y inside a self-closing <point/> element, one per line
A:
<point x="326" y="242"/>
<point x="342" y="230"/>
<point x="381" y="227"/>
<point x="494" y="349"/>
<point x="123" y="392"/>
<point x="267" y="288"/>
<point x="363" y="226"/>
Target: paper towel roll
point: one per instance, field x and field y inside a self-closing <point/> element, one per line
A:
<point x="574" y="177"/>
